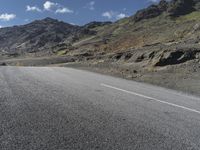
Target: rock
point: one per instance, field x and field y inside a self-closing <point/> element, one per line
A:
<point x="150" y="12"/>
<point x="180" y="7"/>
<point x="176" y="57"/>
<point x="163" y="5"/>
<point x="117" y="56"/>
<point x="173" y="8"/>
<point x="126" y="56"/>
<point x="135" y="71"/>
<point x="3" y="64"/>
<point x="140" y="58"/>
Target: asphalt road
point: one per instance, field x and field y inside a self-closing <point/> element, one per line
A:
<point x="63" y="108"/>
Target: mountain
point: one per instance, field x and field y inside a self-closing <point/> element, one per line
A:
<point x="43" y="36"/>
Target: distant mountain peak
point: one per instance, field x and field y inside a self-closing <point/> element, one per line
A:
<point x="48" y="19"/>
<point x="40" y="35"/>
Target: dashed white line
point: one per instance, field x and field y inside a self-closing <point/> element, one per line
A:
<point x="154" y="99"/>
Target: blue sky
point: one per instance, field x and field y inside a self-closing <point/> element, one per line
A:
<point x="17" y="12"/>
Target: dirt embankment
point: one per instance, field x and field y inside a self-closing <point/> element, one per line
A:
<point x="175" y="67"/>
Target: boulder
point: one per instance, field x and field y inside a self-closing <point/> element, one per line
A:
<point x="3" y="64"/>
<point x="176" y="57"/>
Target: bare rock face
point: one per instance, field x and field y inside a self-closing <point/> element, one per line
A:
<point x="173" y="8"/>
<point x="163" y="5"/>
<point x="150" y="12"/>
<point x="177" y="57"/>
<point x="3" y="64"/>
<point x="180" y="7"/>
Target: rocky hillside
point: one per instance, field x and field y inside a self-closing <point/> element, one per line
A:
<point x="44" y="36"/>
<point x="151" y="36"/>
<point x="158" y="29"/>
<point x="173" y="8"/>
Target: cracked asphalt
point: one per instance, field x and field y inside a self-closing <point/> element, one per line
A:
<point x="50" y="108"/>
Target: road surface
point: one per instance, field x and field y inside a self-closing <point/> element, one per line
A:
<point x="63" y="108"/>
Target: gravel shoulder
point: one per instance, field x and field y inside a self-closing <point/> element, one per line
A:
<point x="178" y="78"/>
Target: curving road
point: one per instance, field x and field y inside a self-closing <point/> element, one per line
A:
<point x="63" y="108"/>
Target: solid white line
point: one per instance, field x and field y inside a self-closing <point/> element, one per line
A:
<point x="147" y="97"/>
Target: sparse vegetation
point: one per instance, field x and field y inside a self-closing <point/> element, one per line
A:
<point x="61" y="52"/>
<point x="194" y="16"/>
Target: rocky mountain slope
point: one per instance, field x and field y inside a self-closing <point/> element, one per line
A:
<point x="42" y="36"/>
<point x="163" y="34"/>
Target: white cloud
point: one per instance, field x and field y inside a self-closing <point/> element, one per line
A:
<point x="49" y="5"/>
<point x="124" y="9"/>
<point x="26" y="20"/>
<point x="64" y="10"/>
<point x="108" y="14"/>
<point x="7" y="17"/>
<point x="154" y="1"/>
<point x="55" y="7"/>
<point x="1" y="26"/>
<point x="121" y="15"/>
<point x="72" y="23"/>
<point x="33" y="8"/>
<point x="113" y="15"/>
<point x="90" y="5"/>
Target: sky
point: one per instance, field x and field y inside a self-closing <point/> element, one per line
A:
<point x="79" y="12"/>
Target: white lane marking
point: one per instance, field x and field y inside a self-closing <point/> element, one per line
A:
<point x="151" y="98"/>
